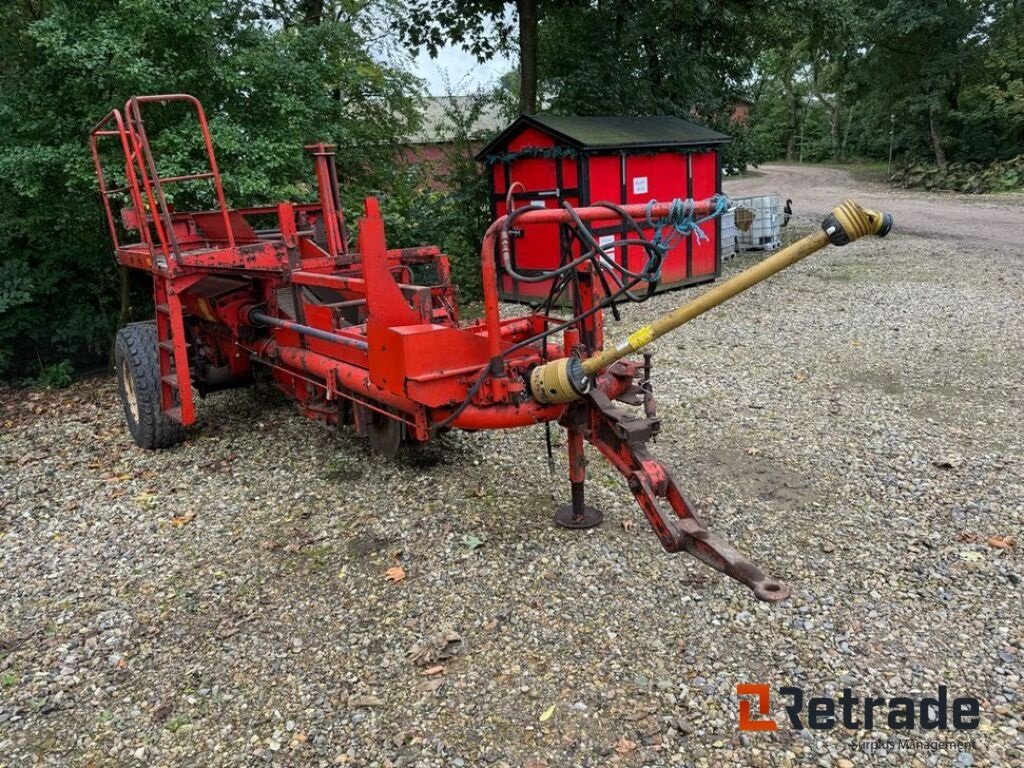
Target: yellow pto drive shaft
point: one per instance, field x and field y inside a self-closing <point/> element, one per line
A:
<point x="567" y="379"/>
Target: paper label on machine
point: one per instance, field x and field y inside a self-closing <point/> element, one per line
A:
<point x="607" y="242"/>
<point x="639" y="185"/>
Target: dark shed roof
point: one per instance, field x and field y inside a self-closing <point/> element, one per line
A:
<point x="611" y="132"/>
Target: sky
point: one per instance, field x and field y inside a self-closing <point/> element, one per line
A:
<point x="463" y="71"/>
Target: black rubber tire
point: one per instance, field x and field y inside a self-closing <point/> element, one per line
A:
<point x="135" y="356"/>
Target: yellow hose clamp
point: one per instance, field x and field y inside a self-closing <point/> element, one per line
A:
<point x="560" y="381"/>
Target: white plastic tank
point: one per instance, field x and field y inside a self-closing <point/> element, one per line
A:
<point x="727" y="247"/>
<point x="758" y="223"/>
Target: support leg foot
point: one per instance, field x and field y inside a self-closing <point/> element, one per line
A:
<point x="578" y="514"/>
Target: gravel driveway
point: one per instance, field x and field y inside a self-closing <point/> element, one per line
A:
<point x="993" y="222"/>
<point x="854" y="426"/>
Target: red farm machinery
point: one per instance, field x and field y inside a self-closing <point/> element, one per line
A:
<point x="365" y="335"/>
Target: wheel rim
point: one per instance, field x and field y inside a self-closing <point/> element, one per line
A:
<point x="130" y="398"/>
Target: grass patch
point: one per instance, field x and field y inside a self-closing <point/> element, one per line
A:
<point x="176" y="723"/>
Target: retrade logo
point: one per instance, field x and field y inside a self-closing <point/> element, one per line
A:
<point x="825" y="712"/>
<point x="763" y="694"/>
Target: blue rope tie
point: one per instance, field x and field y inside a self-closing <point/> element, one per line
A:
<point x="682" y="221"/>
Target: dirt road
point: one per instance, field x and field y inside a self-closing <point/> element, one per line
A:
<point x="991" y="221"/>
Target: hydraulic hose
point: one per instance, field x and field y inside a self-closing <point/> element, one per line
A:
<point x="567" y="379"/>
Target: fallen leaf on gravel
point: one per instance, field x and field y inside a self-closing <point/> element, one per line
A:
<point x="431" y="686"/>
<point x="491" y="625"/>
<point x="753" y="451"/>
<point x="966" y="536"/>
<point x="628" y="525"/>
<point x="395" y="573"/>
<point x="1001" y="542"/>
<point x="298" y="738"/>
<point x="971" y="556"/>
<point x="547" y="713"/>
<point x="437" y="669"/>
<point x="440" y="645"/>
<point x="624" y="746"/>
<point x="185" y="519"/>
<point x="471" y="542"/>
<point x="357" y="702"/>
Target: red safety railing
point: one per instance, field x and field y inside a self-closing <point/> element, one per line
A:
<point x="144" y="184"/>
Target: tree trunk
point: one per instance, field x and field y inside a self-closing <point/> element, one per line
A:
<point x="835" y="126"/>
<point x="846" y="133"/>
<point x="654" y="72"/>
<point x="935" y="126"/>
<point x="313" y="12"/>
<point x="793" y="119"/>
<point x="527" y="56"/>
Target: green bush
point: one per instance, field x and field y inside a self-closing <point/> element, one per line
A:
<point x="270" y="84"/>
<point x="969" y="178"/>
<point x="449" y="209"/>
<point x="56" y="376"/>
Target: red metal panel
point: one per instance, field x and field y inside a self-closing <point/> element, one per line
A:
<point x="530" y="137"/>
<point x="705" y="184"/>
<point x="637" y="178"/>
<point x="540" y="247"/>
<point x="570" y="172"/>
<point x="660" y="176"/>
<point x="604" y="178"/>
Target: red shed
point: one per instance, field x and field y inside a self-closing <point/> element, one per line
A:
<point x="584" y="160"/>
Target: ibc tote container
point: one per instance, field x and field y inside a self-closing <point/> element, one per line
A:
<point x="727" y="247"/>
<point x="758" y="223"/>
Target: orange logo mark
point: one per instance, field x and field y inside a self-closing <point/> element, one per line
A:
<point x="763" y="693"/>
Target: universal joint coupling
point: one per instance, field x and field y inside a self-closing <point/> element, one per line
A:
<point x="849" y="221"/>
<point x="560" y="381"/>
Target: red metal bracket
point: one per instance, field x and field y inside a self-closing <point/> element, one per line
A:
<point x="621" y="438"/>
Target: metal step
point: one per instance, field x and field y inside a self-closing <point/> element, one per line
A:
<point x="169" y="345"/>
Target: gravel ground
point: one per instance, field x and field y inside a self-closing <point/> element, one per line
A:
<point x="853" y="426"/>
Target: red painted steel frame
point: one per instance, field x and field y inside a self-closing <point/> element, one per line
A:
<point x="370" y="336"/>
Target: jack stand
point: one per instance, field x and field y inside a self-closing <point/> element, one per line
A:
<point x="577" y="515"/>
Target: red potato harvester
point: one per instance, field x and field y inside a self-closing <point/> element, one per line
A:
<point x="372" y="336"/>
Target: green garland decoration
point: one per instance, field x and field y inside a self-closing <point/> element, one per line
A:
<point x="548" y="152"/>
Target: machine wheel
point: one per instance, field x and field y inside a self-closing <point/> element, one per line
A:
<point x="138" y="381"/>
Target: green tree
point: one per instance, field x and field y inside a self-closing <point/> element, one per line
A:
<point x="269" y="86"/>
<point x="652" y="57"/>
<point x="922" y="52"/>
<point x="482" y="28"/>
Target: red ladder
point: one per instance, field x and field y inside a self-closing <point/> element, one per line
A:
<point x="146" y="189"/>
<point x="172" y="351"/>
